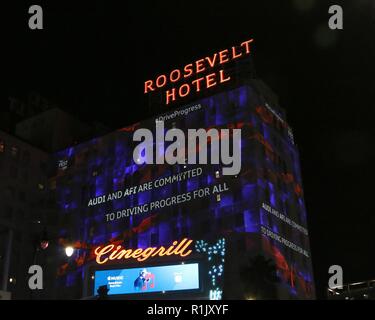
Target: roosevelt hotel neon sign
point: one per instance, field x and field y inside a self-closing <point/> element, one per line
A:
<point x="201" y="70"/>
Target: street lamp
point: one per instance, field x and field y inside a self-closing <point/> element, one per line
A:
<point x="69" y="251"/>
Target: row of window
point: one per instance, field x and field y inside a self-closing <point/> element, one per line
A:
<point x="17" y="155"/>
<point x="14" y="151"/>
<point x="11" y="192"/>
<point x="23" y="175"/>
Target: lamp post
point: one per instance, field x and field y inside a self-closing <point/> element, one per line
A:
<point x="69" y="250"/>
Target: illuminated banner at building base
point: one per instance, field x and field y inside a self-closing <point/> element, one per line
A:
<point x="117" y="253"/>
<point x="149" y="279"/>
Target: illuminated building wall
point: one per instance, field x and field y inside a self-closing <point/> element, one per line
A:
<point x="260" y="212"/>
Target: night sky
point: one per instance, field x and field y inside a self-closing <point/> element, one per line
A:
<point x="92" y="61"/>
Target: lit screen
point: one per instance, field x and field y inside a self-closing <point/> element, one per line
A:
<point x="149" y="279"/>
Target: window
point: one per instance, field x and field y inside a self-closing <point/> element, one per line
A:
<point x="238" y="221"/>
<point x="8" y="212"/>
<point x="285" y="167"/>
<point x="219" y="222"/>
<point x="9" y="192"/>
<point x="26" y="157"/>
<point x="25" y="176"/>
<point x="14" y="151"/>
<point x="184" y="231"/>
<point x="241" y="245"/>
<point x="205" y="227"/>
<point x="92" y="190"/>
<point x="21" y="196"/>
<point x="52" y="184"/>
<point x="135" y="241"/>
<point x="175" y="232"/>
<point x="13" y="171"/>
<point x="83" y="191"/>
<point x="278" y="125"/>
<point x="43" y="166"/>
<point x="154" y="239"/>
<point x="267" y="194"/>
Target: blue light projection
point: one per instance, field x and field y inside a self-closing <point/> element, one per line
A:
<point x="105" y="165"/>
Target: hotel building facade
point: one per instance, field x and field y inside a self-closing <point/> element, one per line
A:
<point x="242" y="226"/>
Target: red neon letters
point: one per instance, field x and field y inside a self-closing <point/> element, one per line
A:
<point x="196" y="68"/>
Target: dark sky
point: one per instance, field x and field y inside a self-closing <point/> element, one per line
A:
<point x="92" y="60"/>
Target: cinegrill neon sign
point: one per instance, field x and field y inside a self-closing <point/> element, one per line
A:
<point x="112" y="252"/>
<point x="201" y="66"/>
